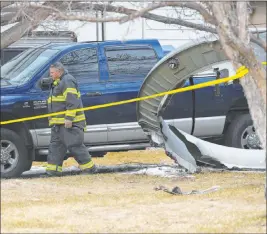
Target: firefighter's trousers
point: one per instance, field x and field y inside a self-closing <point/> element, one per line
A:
<point x="71" y="139"/>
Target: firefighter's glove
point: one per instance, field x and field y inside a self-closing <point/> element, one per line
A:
<point x="68" y="123"/>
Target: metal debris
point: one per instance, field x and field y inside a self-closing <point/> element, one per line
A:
<point x="188" y="150"/>
<point x="177" y="191"/>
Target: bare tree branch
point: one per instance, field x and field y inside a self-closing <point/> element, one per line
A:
<point x="59" y="13"/>
<point x="17" y="31"/>
<point x="5" y="4"/>
<point x="122" y="10"/>
<point x="190" y="5"/>
<point x="231" y="33"/>
<point x="168" y="20"/>
<point x="242" y="22"/>
<point x="9" y="9"/>
<point x="129" y="12"/>
<point x="7" y="17"/>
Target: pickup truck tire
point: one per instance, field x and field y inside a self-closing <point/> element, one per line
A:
<point x="15" y="160"/>
<point x="28" y="166"/>
<point x="241" y="133"/>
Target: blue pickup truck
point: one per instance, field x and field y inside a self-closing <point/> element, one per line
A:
<point x="108" y="71"/>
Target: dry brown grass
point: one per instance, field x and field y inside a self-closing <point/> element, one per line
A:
<point x="117" y="203"/>
<point x="138" y="156"/>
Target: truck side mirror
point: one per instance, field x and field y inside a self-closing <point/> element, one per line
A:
<point x="45" y="83"/>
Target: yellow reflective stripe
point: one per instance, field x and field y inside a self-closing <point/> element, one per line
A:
<point x="79" y="118"/>
<point x="56" y="99"/>
<point x="57" y="121"/>
<point x="70" y="90"/>
<point x="71" y="113"/>
<point x="87" y="165"/>
<point x="52" y="167"/>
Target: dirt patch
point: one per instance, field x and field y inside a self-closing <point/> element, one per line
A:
<point x="128" y="203"/>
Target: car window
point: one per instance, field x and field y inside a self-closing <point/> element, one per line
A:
<point x="82" y="64"/>
<point x="8" y="54"/>
<point x="23" y="67"/>
<point x="259" y="51"/>
<point x="130" y="63"/>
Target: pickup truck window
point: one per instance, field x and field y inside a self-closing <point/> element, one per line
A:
<point x="8" y="53"/>
<point x="130" y="63"/>
<point x="212" y="74"/>
<point x="259" y="51"/>
<point x="82" y="64"/>
<point x="21" y="68"/>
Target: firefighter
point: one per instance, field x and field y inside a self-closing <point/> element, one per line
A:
<point x="67" y="130"/>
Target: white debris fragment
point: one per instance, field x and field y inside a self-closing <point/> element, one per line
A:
<point x="162" y="171"/>
<point x="187" y="150"/>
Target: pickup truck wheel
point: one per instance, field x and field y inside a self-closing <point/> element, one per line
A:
<point x="28" y="166"/>
<point x="14" y="158"/>
<point x="241" y="133"/>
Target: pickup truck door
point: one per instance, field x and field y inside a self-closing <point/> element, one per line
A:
<point x="213" y="102"/>
<point x="180" y="110"/>
<point x="83" y="64"/>
<point x="127" y="68"/>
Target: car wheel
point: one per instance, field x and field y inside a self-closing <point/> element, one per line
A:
<point x="28" y="166"/>
<point x="14" y="155"/>
<point x="241" y="133"/>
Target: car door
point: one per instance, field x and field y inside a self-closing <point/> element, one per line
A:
<point x="40" y="107"/>
<point x="212" y="103"/>
<point x="127" y="68"/>
<point x="179" y="110"/>
<point x="83" y="64"/>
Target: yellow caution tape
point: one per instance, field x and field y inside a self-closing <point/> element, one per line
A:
<point x="239" y="74"/>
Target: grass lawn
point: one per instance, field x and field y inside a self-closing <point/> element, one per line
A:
<point x="121" y="203"/>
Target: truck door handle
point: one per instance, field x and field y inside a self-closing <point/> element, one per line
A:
<point x="92" y="94"/>
<point x="217" y="89"/>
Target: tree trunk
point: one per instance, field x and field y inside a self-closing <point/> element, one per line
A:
<point x="235" y="41"/>
<point x="256" y="103"/>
